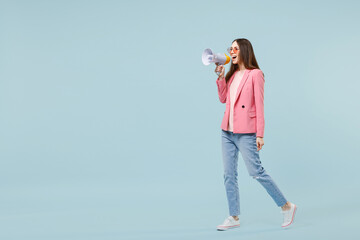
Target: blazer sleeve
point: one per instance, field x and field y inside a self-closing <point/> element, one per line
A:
<point x="222" y="89"/>
<point x="259" y="82"/>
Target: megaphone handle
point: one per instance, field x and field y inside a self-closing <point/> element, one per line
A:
<point x="218" y="73"/>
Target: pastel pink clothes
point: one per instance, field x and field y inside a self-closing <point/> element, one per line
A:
<point x="233" y="89"/>
<point x="248" y="110"/>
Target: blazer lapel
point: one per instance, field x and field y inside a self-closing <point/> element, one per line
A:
<point x="243" y="80"/>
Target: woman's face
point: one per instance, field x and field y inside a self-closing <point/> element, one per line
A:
<point x="235" y="53"/>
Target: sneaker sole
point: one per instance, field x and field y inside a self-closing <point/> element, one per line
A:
<point x="292" y="220"/>
<point x="226" y="228"/>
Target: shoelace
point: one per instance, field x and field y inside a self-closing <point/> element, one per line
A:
<point x="227" y="220"/>
<point x="286" y="215"/>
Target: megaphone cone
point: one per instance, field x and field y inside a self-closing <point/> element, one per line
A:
<point x="208" y="57"/>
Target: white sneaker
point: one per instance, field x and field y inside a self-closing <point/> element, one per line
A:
<point x="229" y="223"/>
<point x="289" y="216"/>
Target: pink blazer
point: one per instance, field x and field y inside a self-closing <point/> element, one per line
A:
<point x="249" y="103"/>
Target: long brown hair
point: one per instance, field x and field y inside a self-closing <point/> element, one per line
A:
<point x="247" y="56"/>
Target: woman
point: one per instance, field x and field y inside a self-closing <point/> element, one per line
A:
<point x="242" y="89"/>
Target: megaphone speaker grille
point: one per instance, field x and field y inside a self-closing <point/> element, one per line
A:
<point x="207" y="56"/>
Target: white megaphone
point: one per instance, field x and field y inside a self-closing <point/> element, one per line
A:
<point x="220" y="58"/>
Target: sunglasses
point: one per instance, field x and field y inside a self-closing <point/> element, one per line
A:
<point x="235" y="49"/>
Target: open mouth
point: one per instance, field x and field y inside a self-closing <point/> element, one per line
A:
<point x="233" y="57"/>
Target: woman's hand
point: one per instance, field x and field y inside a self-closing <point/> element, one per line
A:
<point x="259" y="143"/>
<point x="221" y="69"/>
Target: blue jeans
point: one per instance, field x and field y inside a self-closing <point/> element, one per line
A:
<point x="232" y="143"/>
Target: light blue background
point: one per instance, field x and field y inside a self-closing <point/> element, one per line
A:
<point x="110" y="123"/>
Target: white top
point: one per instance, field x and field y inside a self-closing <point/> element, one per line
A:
<point x="233" y="89"/>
